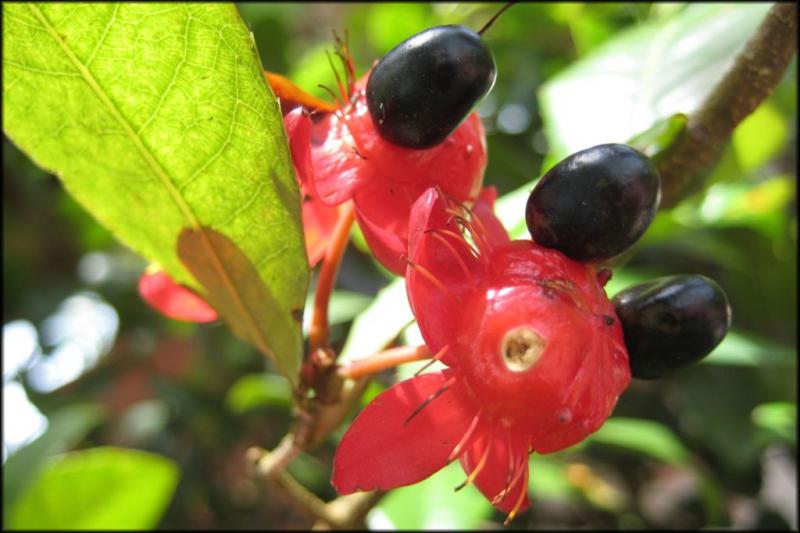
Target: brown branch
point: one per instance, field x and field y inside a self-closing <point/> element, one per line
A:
<point x="751" y="79"/>
<point x="349" y="512"/>
<point x="345" y="512"/>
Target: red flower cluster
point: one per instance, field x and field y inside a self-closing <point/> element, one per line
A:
<point x="342" y="157"/>
<point x="535" y="354"/>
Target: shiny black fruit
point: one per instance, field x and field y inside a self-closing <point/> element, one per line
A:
<point x="670" y="322"/>
<point x="425" y="86"/>
<point x="595" y="203"/>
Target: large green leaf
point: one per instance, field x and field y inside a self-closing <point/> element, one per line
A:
<point x="644" y="74"/>
<point x="65" y="429"/>
<point x="99" y="488"/>
<point x="157" y="119"/>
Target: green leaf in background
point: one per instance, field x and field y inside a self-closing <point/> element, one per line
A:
<point x="65" y="429"/>
<point x="548" y="479"/>
<point x="99" y="488"/>
<point x="642" y="436"/>
<point x="760" y="137"/>
<point x="443" y="507"/>
<point x="660" y="135"/>
<point x="388" y="24"/>
<point x="644" y="74"/>
<point x="253" y="391"/>
<point x="343" y="307"/>
<point x="157" y="119"/>
<point x="379" y="324"/>
<point x="778" y="417"/>
<point x="740" y="349"/>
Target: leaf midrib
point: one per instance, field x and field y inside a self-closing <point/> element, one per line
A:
<point x="159" y="171"/>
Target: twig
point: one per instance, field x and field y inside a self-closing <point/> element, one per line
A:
<point x="269" y="464"/>
<point x="349" y="512"/>
<point x="753" y="76"/>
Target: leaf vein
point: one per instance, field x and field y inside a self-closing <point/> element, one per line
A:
<point x="161" y="173"/>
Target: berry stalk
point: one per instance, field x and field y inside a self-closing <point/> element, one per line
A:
<point x="382" y="360"/>
<point x="318" y="332"/>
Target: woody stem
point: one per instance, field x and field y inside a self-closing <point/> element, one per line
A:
<point x="318" y="333"/>
<point x="382" y="360"/>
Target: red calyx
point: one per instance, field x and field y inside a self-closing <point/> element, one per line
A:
<point x="348" y="159"/>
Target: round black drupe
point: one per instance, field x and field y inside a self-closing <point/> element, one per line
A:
<point x="670" y="322"/>
<point x="427" y="85"/>
<point x="596" y="203"/>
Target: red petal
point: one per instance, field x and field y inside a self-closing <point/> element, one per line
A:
<point x="338" y="169"/>
<point x="385" y="245"/>
<point x="456" y="165"/>
<point x="383" y="210"/>
<point x="494" y="476"/>
<point x="456" y="271"/>
<point x="298" y="132"/>
<point x="319" y="221"/>
<point x="173" y="300"/>
<point x="379" y="451"/>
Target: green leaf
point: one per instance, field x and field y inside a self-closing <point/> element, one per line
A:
<point x="343" y="307"/>
<point x="157" y="119"/>
<point x="388" y="24"/>
<point x="432" y="504"/>
<point x="642" y="436"/>
<point x="740" y="349"/>
<point x="252" y="310"/>
<point x="253" y="391"/>
<point x="99" y="488"/>
<point x="760" y="137"/>
<point x="379" y="324"/>
<point x="660" y="135"/>
<point x="778" y="417"/>
<point x="644" y="74"/>
<point x="65" y="429"/>
<point x="548" y="479"/>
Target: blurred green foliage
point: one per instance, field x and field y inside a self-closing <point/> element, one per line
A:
<point x="687" y="451"/>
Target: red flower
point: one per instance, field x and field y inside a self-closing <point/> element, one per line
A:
<point x="535" y="354"/>
<point x="345" y="158"/>
<point x="175" y="301"/>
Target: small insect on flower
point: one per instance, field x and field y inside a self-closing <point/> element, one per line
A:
<point x="535" y="357"/>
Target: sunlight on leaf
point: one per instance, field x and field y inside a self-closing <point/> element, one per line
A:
<point x="759" y="137"/>
<point x="157" y="118"/>
<point x="779" y="417"/>
<point x="99" y="488"/>
<point x="253" y="391"/>
<point x="644" y="74"/>
<point x="379" y="324"/>
<point x="66" y="428"/>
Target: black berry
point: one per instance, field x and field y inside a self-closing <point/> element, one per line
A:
<point x="426" y="86"/>
<point x="670" y="322"/>
<point x="596" y="203"/>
